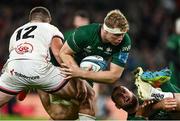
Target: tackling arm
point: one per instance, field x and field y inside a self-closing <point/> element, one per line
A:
<point x="56" y="45"/>
<point x="66" y="54"/>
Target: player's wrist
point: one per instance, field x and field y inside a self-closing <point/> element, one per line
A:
<point x="84" y="74"/>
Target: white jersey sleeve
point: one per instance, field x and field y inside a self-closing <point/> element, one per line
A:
<point x="32" y="41"/>
<point x="57" y="33"/>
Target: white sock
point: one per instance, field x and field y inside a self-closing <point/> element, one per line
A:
<point x="159" y="95"/>
<point x="85" y="117"/>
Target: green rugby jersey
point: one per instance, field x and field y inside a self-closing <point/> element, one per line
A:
<point x="86" y="41"/>
<point x="68" y="33"/>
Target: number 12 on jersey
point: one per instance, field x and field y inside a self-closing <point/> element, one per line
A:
<point x="26" y="33"/>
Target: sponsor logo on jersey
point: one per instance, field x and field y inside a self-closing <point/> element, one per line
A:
<point x="24" y="48"/>
<point x="123" y="56"/>
<point x="88" y="49"/>
<point x="24" y="76"/>
<point x="157" y="96"/>
<point x="100" y="48"/>
<point x="127" y="48"/>
<point x="108" y="51"/>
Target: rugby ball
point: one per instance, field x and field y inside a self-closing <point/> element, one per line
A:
<point x="95" y="62"/>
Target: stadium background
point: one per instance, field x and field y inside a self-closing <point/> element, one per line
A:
<point x="151" y="22"/>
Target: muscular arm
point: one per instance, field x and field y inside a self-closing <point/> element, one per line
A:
<point x="109" y="76"/>
<point x="166" y="104"/>
<point x="66" y="54"/>
<point x="56" y="45"/>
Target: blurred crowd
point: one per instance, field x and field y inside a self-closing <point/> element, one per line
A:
<point x="151" y="22"/>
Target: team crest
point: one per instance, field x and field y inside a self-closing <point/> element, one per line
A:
<point x="109" y="49"/>
<point x="88" y="49"/>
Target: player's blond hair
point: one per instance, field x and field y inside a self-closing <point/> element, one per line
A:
<point x="115" y="19"/>
<point x="40" y="13"/>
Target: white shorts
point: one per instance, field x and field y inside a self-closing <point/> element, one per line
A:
<point x="20" y="74"/>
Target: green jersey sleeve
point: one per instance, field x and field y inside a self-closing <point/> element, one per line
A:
<point x="68" y="33"/>
<point x="78" y="39"/>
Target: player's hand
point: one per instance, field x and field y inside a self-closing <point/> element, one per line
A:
<point x="71" y="71"/>
<point x="145" y="109"/>
<point x="167" y="104"/>
<point x="147" y="103"/>
<point x="81" y="89"/>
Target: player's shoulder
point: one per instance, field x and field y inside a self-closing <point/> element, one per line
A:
<point x="22" y="26"/>
<point x="47" y="25"/>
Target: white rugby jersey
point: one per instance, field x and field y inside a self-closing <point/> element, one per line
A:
<point x="32" y="41"/>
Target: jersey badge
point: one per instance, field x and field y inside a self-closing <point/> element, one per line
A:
<point x="123" y="56"/>
<point x="24" y="48"/>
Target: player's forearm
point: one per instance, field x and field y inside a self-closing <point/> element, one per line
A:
<point x="58" y="59"/>
<point x="56" y="45"/>
<point x="67" y="59"/>
<point x="101" y="77"/>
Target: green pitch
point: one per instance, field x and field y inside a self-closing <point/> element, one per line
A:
<point x="17" y="118"/>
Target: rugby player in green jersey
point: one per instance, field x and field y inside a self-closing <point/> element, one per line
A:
<point x="109" y="40"/>
<point x="165" y="105"/>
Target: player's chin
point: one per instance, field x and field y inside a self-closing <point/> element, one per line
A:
<point x="115" y="43"/>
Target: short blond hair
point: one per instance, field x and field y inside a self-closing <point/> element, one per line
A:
<point x="115" y="19"/>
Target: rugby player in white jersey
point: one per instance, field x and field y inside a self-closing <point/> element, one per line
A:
<point x="28" y="64"/>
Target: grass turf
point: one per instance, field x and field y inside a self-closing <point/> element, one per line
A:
<point x="17" y="118"/>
